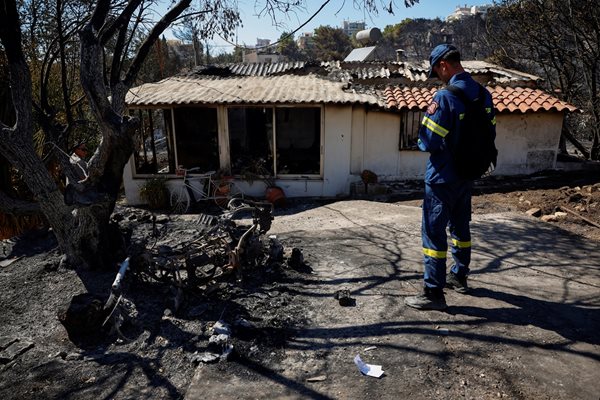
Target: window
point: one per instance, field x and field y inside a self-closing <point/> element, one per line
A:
<point x="297" y="138"/>
<point x="153" y="142"/>
<point x="250" y="137"/>
<point x="283" y="140"/>
<point x="410" y="121"/>
<point x="197" y="138"/>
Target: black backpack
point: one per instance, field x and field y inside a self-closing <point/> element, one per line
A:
<point x="473" y="151"/>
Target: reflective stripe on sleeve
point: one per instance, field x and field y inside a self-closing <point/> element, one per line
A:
<point x="434" y="253"/>
<point x="433" y="127"/>
<point x="461" y="245"/>
<point x="488" y="110"/>
<point x="494" y="121"/>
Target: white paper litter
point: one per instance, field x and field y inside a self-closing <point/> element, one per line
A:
<point x="368" y="369"/>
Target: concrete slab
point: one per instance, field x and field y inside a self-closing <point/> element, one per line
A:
<point x="529" y="329"/>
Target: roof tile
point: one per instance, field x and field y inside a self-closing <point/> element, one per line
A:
<point x="506" y="99"/>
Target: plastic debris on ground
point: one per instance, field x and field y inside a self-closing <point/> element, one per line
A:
<point x="375" y="371"/>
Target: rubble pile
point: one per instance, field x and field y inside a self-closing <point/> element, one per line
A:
<point x="579" y="203"/>
<point x="202" y="262"/>
<point x="215" y="246"/>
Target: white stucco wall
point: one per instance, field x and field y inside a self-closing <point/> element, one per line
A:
<point x="527" y="143"/>
<point x="382" y="154"/>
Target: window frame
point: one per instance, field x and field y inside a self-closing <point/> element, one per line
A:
<point x="223" y="137"/>
<point x="274" y="108"/>
<point x="170" y="137"/>
<point x="415" y="124"/>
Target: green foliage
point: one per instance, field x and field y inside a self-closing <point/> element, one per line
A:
<point x="155" y="192"/>
<point x="331" y="44"/>
<point x="256" y="170"/>
<point x="415" y="36"/>
<point x="287" y="47"/>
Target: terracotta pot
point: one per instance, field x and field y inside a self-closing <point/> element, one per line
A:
<point x="275" y="196"/>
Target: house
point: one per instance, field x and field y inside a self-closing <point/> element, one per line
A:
<point x="468" y="11"/>
<point x="262" y="53"/>
<point x="316" y="127"/>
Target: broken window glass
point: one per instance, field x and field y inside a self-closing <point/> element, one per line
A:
<point x="153" y="142"/>
<point x="410" y="121"/>
<point x="298" y="140"/>
<point x="250" y="138"/>
<point x="197" y="138"/>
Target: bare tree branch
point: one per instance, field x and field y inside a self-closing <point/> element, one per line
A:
<point x="99" y="15"/>
<point x="10" y="34"/>
<point x="154" y="34"/>
<point x="120" y="21"/>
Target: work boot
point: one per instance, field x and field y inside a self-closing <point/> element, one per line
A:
<point x="431" y="299"/>
<point x="458" y="284"/>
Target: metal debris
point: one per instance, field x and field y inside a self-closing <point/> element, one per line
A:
<point x="195" y="259"/>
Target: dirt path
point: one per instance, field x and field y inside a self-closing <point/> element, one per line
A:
<point x="527" y="331"/>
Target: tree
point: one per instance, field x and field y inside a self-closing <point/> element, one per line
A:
<point x="234" y="57"/>
<point x="111" y="40"/>
<point x="330" y="44"/>
<point x="558" y="40"/>
<point x="108" y="69"/>
<point x="189" y="32"/>
<point x="412" y="36"/>
<point x="286" y="46"/>
<point x="468" y="34"/>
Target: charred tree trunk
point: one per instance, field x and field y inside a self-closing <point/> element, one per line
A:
<point x="80" y="218"/>
<point x="83" y="231"/>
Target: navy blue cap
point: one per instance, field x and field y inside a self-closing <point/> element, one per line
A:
<point x="437" y="54"/>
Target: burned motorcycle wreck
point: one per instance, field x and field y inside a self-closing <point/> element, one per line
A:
<point x="217" y="247"/>
<point x="191" y="257"/>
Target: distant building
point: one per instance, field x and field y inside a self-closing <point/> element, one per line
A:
<point x="305" y="41"/>
<point x="260" y="57"/>
<point x="467" y="11"/>
<point x="263" y="53"/>
<point x="350" y="28"/>
<point x="263" y="43"/>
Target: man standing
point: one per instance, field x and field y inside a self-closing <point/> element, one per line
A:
<point x="447" y="201"/>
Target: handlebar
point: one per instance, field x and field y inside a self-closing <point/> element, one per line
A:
<point x="185" y="171"/>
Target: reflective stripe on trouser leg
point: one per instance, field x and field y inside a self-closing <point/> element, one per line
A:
<point x="435" y="246"/>
<point x="461" y="254"/>
<point x="460" y="217"/>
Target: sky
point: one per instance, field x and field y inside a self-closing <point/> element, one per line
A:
<point x="333" y="14"/>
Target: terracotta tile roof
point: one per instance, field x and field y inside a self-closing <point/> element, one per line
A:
<point x="412" y="98"/>
<point x="506" y="99"/>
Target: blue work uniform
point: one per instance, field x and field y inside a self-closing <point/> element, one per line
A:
<point x="447" y="201"/>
